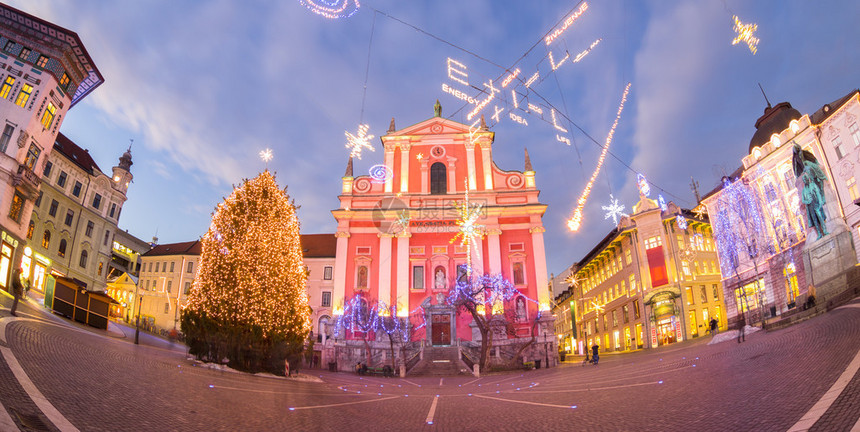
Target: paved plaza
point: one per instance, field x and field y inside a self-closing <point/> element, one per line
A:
<point x="55" y="375"/>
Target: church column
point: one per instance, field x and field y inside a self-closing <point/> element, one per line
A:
<point x="452" y="178"/>
<point x="340" y="272"/>
<point x="425" y="175"/>
<point x="403" y="272"/>
<point x="404" y="166"/>
<point x="487" y="160"/>
<point x="494" y="250"/>
<point x="470" y="164"/>
<point x="389" y="163"/>
<point x="539" y="257"/>
<point x="384" y="294"/>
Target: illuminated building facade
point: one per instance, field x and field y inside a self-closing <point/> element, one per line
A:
<point x="564" y="309"/>
<point x="779" y="276"/>
<point x="319" y="256"/>
<point x="650" y="282"/>
<point x="75" y="216"/>
<point x="44" y="71"/>
<point x="166" y="274"/>
<point x="395" y="233"/>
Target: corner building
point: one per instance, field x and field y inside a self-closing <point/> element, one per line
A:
<point x="654" y="280"/>
<point x="394" y="232"/>
<point x="44" y="71"/>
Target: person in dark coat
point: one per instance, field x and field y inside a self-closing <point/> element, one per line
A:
<point x="594" y="356"/>
<point x="742" y="322"/>
<point x="713" y="326"/>
<point x="17" y="290"/>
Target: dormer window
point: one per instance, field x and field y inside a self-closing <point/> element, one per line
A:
<point x="42" y="62"/>
<point x="794" y="126"/>
<point x="774" y="139"/>
<point x="756" y="153"/>
<point x="25" y="52"/>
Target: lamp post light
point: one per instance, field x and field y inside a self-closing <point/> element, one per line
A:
<point x="137" y="320"/>
<point x="546" y="348"/>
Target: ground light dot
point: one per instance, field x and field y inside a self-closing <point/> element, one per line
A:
<point x="683" y="358"/>
<point x="697" y="358"/>
<point x="694" y="365"/>
<point x="573" y="406"/>
<point x="292" y="409"/>
<point x="470" y="394"/>
<point x="379" y="394"/>
<point x="497" y="392"/>
<point x="211" y="386"/>
<point x="429" y="422"/>
<point x="660" y="382"/>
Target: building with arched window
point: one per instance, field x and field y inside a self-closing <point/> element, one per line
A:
<point x="395" y="233"/>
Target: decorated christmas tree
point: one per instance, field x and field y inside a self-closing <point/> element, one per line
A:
<point x="248" y="303"/>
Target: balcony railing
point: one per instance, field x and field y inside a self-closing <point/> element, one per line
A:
<point x="28" y="179"/>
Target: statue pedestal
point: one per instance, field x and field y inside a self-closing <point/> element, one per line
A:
<point x="827" y="261"/>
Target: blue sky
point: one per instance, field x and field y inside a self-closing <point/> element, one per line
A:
<point x="203" y="86"/>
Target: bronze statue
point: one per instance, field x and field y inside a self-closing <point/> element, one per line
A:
<point x="811" y="188"/>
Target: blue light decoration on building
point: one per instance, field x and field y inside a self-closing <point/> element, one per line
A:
<point x="642" y="182"/>
<point x="662" y="202"/>
<point x="740" y="229"/>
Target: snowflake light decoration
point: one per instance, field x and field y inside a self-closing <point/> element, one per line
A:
<point x="745" y="34"/>
<point x="573" y="280"/>
<point x="470" y="231"/>
<point x="597" y="307"/>
<point x="662" y="202"/>
<point x="266" y="155"/>
<point x="613" y="210"/>
<point x="700" y="212"/>
<point x="359" y="141"/>
<point x="682" y="222"/>
<point x="687" y="254"/>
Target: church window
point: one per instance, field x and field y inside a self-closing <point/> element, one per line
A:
<point x="361" y="278"/>
<point x="519" y="274"/>
<point x="438" y="179"/>
<point x="418" y="277"/>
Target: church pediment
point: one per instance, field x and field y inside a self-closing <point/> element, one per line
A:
<point x="432" y="126"/>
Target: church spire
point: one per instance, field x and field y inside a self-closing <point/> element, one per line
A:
<point x="528" y="161"/>
<point x="391" y="127"/>
<point x="348" y="168"/>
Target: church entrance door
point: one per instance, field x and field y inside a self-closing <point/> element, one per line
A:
<point x="441" y="331"/>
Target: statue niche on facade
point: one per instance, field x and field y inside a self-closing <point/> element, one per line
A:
<point x="810" y="185"/>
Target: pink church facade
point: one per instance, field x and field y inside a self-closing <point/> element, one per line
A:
<point x="395" y="230"/>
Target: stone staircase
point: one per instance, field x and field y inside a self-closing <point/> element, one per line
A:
<point x="438" y="361"/>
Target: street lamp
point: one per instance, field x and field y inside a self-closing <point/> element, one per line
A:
<point x="137" y="320"/>
<point x="546" y="348"/>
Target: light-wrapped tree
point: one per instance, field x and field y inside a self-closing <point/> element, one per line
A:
<point x="248" y="302"/>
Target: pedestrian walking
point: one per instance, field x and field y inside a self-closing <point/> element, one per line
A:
<point x="594" y="353"/>
<point x="714" y="326"/>
<point x="17" y="290"/>
<point x="742" y="323"/>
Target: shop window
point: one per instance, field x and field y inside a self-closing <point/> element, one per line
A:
<point x="326" y="299"/>
<point x="791" y="287"/>
<point x="689" y="291"/>
<point x="704" y="293"/>
<point x="418" y="277"/>
<point x="716" y="292"/>
<point x="706" y="319"/>
<point x="438" y="179"/>
<point x="46" y="239"/>
<point x="625" y="313"/>
<point x="17" y="207"/>
<point x="327" y="273"/>
<point x="636" y="309"/>
<point x="83" y="261"/>
<point x="614" y="318"/>
<point x="694" y="329"/>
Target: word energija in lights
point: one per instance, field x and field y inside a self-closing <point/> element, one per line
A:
<point x="567" y="23"/>
<point x="332" y="9"/>
<point x="575" y="220"/>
